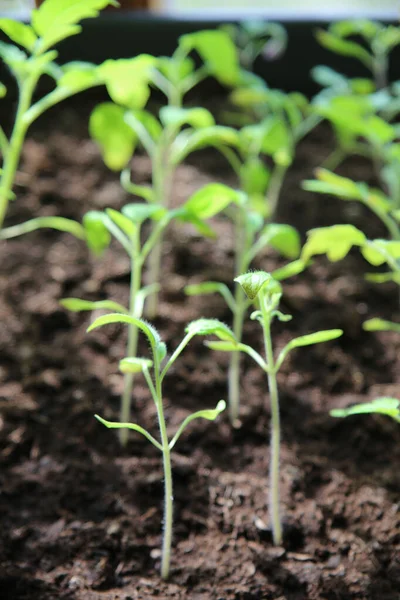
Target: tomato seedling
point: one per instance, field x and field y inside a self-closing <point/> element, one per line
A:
<point x="154" y="373"/>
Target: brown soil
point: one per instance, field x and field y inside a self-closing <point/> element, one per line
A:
<point x="80" y="517"/>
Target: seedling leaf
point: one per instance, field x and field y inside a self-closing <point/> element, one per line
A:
<point x="198" y="118"/>
<point x="97" y="235"/>
<point x="115" y="425"/>
<point x="217" y="50"/>
<point x="385" y="406"/>
<point x="211" y="327"/>
<point x="381" y="325"/>
<point x="335" y="241"/>
<point x="253" y="282"/>
<point x="20" y="34"/>
<point x="210" y="200"/>
<point x="150" y="331"/>
<point x="133" y="364"/>
<point x="308" y="340"/>
<point x="140" y="212"/>
<point x="78" y="305"/>
<point x="209" y="413"/>
<point x="116" y="139"/>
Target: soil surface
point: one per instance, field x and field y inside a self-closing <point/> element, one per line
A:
<point x="81" y="518"/>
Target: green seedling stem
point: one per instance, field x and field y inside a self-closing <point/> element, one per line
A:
<point x="51" y="23"/>
<point x="265" y="292"/>
<point x="154" y="380"/>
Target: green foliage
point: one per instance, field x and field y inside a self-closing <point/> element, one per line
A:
<point x="381" y="325"/>
<point x="154" y="374"/>
<point x="52" y="22"/>
<point x="116" y="139"/>
<point x="383" y="406"/>
<point x="254" y="38"/>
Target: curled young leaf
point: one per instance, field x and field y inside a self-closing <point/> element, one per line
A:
<point x="134" y="364"/>
<point x="253" y="282"/>
<point x="211" y="327"/>
<point x="151" y="332"/>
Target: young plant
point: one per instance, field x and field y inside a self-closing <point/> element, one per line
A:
<point x="126" y="228"/>
<point x="255" y="38"/>
<point x="377" y="42"/>
<point x="178" y="131"/>
<point x="265" y="293"/>
<point x="53" y="22"/>
<point x="252" y="234"/>
<point x="385" y="206"/>
<point x="154" y="370"/>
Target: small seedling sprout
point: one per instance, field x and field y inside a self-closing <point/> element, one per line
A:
<point x="154" y="371"/>
<point x="265" y="293"/>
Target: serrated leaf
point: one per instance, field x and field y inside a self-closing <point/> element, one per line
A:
<point x="198" y="118"/>
<point x="385" y="406"/>
<point x="78" y="305"/>
<point x="116" y="139"/>
<point x="217" y="50"/>
<point x="20" y="34"/>
<point x="134" y="364"/>
<point x="56" y="20"/>
<point x="98" y="237"/>
<point x="335" y="241"/>
<point x="380" y="325"/>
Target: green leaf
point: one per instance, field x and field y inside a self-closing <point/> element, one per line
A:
<point x="133" y="426"/>
<point x="254" y="176"/>
<point x="290" y="270"/>
<point x="216" y="136"/>
<point x="283" y="238"/>
<point x="335" y="241"/>
<point x="211" y="327"/>
<point x="20" y="34"/>
<point x="126" y="225"/>
<point x="128" y="80"/>
<point x="330" y="183"/>
<point x="150" y="332"/>
<point x="222" y="346"/>
<point x="307" y="340"/>
<point x="211" y="287"/>
<point x="381" y="325"/>
<point x="140" y="212"/>
<point x="344" y="47"/>
<point x="56" y="20"/>
<point x="147" y="120"/>
<point x="198" y="118"/>
<point x="210" y="200"/>
<point x="78" y="305"/>
<point x="78" y="76"/>
<point x="98" y="237"/>
<point x="208" y="413"/>
<point x="385" y="406"/>
<point x="134" y="364"/>
<point x="3" y="90"/>
<point x="57" y="223"/>
<point x="217" y="50"/>
<point x="116" y="139"/>
<point x="253" y="282"/>
<point x="377" y="252"/>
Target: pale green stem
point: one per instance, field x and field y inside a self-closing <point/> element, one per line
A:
<point x="275" y="186"/>
<point x="131" y="349"/>
<point x="11" y="159"/>
<point x="241" y="266"/>
<point x="274" y="497"/>
<point x="168" y="489"/>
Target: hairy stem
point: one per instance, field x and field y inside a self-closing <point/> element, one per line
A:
<point x="168" y="488"/>
<point x="131" y="348"/>
<point x="274" y="497"/>
<point x="12" y="156"/>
